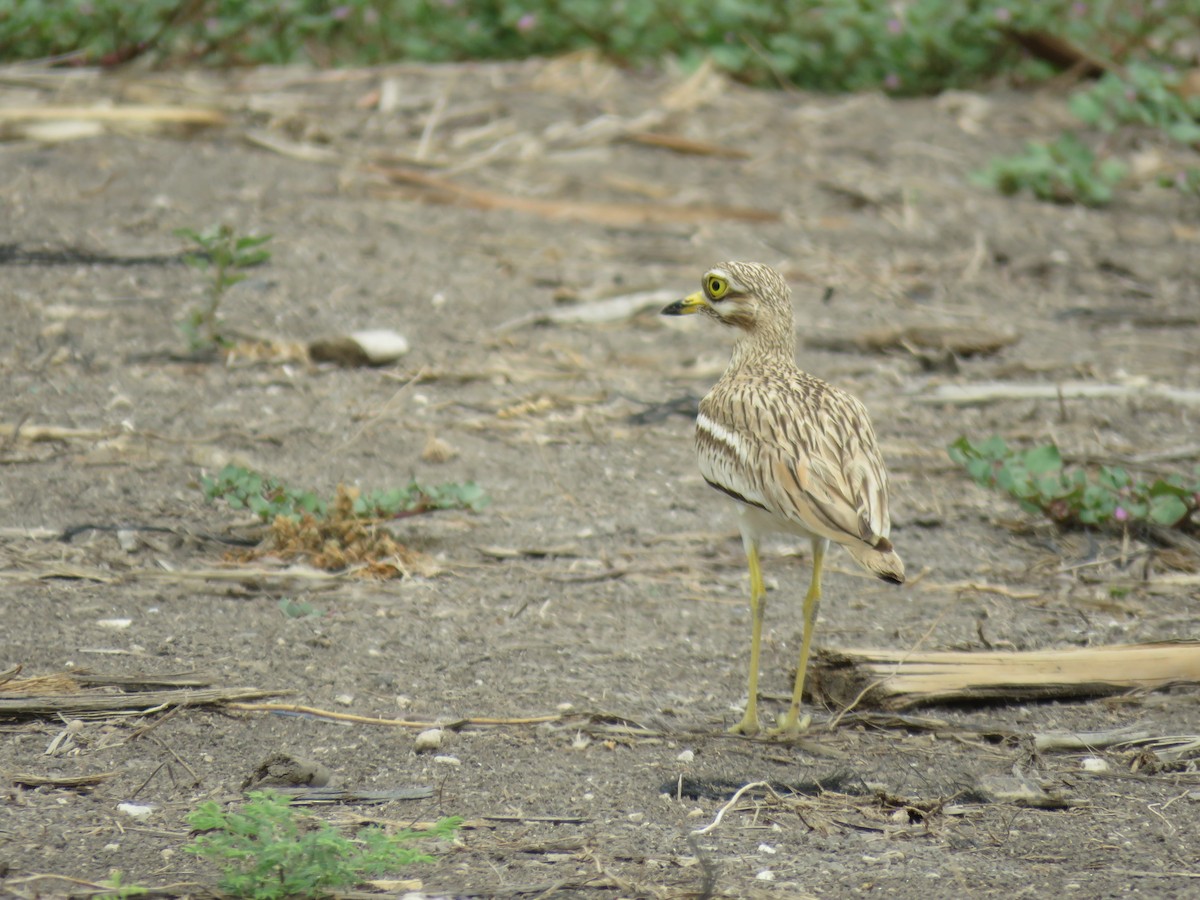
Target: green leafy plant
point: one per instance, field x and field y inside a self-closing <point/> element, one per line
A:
<point x="297" y="609"/>
<point x="262" y="495"/>
<point x="1142" y="95"/>
<point x="1065" y="171"/>
<point x="1186" y="182"/>
<point x="224" y="255"/>
<point x="268" y="851"/>
<point x="1095" y="496"/>
<point x="917" y="46"/>
<point x="269" y="498"/>
<point x="115" y="889"/>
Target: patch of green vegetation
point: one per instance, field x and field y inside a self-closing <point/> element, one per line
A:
<point x="224" y="255"/>
<point x="1066" y="171"/>
<point x="920" y="46"/>
<point x="115" y="889"/>
<point x="1142" y="95"/>
<point x="298" y="609"/>
<point x="1103" y="496"/>
<point x="269" y="498"/>
<point x="267" y="851"/>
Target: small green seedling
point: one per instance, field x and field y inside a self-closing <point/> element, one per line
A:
<point x="298" y="609"/>
<point x="269" y="851"/>
<point x="225" y="255"/>
<point x="114" y="889"/>
<point x="1102" y="496"/>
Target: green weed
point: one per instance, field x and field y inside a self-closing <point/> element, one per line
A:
<point x="114" y="889"/>
<point x="224" y="255"/>
<point x="1142" y="95"/>
<point x="919" y="46"/>
<point x="268" y="498"/>
<point x="1066" y="171"/>
<point x="268" y="851"/>
<point x="298" y="609"/>
<point x="1102" y="496"/>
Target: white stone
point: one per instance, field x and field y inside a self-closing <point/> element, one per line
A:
<point x="428" y="740"/>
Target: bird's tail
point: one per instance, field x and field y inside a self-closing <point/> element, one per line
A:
<point x="880" y="560"/>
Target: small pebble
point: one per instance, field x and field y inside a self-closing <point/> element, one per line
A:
<point x="1093" y="764"/>
<point x="135" y="810"/>
<point x="345" y="699"/>
<point x="765" y="875"/>
<point x="636" y="817"/>
<point x="448" y="760"/>
<point x="428" y="740"/>
<point x="438" y="451"/>
<point x="686" y="756"/>
<point x="116" y="624"/>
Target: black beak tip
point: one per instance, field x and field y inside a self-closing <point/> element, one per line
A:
<point x="673" y="309"/>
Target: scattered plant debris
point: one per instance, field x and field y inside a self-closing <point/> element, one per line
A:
<point x="1079" y="496"/>
<point x="267" y="850"/>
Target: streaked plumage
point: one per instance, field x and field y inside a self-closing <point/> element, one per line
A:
<point x="798" y="455"/>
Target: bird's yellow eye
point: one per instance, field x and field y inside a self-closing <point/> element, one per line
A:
<point x="717" y="286"/>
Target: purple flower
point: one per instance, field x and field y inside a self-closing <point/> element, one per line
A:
<point x="895" y="26"/>
<point x="526" y="23"/>
<point x="340" y="13"/>
<point x="892" y="82"/>
<point x="1003" y="15"/>
<point x="1121" y="514"/>
<point x="1079" y="9"/>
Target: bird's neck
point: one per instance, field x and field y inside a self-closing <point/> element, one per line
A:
<point x="758" y="345"/>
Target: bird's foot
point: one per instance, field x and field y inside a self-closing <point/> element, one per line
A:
<point x="748" y="726"/>
<point x="791" y="725"/>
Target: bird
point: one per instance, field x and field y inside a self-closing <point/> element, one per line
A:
<point x="798" y="455"/>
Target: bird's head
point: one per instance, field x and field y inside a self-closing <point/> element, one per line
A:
<point x="749" y="296"/>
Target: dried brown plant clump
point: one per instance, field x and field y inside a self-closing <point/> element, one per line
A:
<point x="340" y="540"/>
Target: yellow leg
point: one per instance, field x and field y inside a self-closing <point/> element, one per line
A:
<point x="792" y="724"/>
<point x="758" y="602"/>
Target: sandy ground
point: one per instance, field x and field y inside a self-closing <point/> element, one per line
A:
<point x="603" y="589"/>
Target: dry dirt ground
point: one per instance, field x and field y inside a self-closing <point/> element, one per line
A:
<point x="604" y="586"/>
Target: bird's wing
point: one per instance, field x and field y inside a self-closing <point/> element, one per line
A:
<point x="814" y="463"/>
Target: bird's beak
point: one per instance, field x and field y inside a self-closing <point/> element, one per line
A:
<point x="689" y="305"/>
